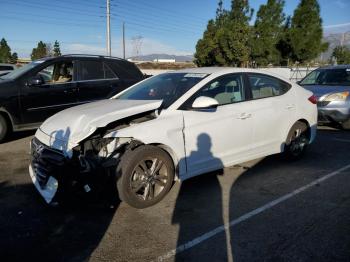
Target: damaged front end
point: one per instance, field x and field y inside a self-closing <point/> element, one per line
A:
<point x="57" y="176"/>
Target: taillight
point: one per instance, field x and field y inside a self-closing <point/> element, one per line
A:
<point x="313" y="99"/>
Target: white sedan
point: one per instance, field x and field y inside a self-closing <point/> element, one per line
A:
<point x="171" y="127"/>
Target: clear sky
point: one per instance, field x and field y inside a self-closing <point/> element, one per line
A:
<point x="166" y="26"/>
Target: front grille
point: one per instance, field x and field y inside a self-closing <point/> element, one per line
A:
<point x="45" y="161"/>
<point x="322" y="103"/>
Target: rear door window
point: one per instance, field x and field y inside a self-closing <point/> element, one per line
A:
<point x="91" y="70"/>
<point x="95" y="70"/>
<point x="263" y="86"/>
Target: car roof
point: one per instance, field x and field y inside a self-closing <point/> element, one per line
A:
<point x="335" y="67"/>
<point x="79" y="56"/>
<point x="227" y="70"/>
<point x="212" y="70"/>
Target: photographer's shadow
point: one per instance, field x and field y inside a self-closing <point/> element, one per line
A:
<point x="199" y="203"/>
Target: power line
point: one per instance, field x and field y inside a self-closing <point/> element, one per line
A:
<point x="50" y="17"/>
<point x="150" y="15"/>
<point x="154" y="19"/>
<point x="21" y="19"/>
<point x="108" y="28"/>
<point x="158" y="8"/>
<point x="61" y="42"/>
<point x="146" y="18"/>
<point x="150" y="29"/>
<point x="36" y="5"/>
<point x="160" y="29"/>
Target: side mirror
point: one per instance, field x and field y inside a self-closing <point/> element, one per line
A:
<point x="204" y="102"/>
<point x="35" y="81"/>
<point x="298" y="82"/>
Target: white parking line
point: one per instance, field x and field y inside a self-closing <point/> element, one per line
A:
<point x="246" y="216"/>
<point x="342" y="140"/>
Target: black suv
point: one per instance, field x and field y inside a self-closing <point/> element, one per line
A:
<point x="43" y="87"/>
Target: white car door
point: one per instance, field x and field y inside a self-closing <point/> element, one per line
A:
<point x="218" y="137"/>
<point x="272" y="108"/>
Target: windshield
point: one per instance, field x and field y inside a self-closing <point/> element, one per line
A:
<point x="21" y="70"/>
<point x="328" y="77"/>
<point x="167" y="87"/>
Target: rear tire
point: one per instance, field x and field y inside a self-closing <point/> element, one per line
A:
<point x="145" y="176"/>
<point x="3" y="128"/>
<point x="297" y="141"/>
<point x="346" y="125"/>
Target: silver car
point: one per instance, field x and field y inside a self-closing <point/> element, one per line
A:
<point x="331" y="86"/>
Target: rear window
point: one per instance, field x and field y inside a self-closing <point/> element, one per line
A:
<point x="125" y="70"/>
<point x="328" y="77"/>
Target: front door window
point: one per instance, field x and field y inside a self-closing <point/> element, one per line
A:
<point x="60" y="72"/>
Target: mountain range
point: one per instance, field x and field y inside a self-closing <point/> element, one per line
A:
<point x="335" y="39"/>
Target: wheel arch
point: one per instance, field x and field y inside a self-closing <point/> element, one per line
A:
<point x="173" y="156"/>
<point x="134" y="143"/>
<point x="7" y="117"/>
<point x="308" y="131"/>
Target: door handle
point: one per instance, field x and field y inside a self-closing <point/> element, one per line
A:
<point x="290" y="106"/>
<point x="244" y="116"/>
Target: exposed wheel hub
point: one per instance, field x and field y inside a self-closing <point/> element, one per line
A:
<point x="149" y="178"/>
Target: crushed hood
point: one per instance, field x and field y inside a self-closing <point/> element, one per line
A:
<point x="72" y="125"/>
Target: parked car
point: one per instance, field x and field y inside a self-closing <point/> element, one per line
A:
<point x="172" y="126"/>
<point x="331" y="85"/>
<point x="46" y="86"/>
<point x="6" y="68"/>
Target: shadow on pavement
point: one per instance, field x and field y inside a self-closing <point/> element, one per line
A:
<point x="32" y="231"/>
<point x="18" y="135"/>
<point x="192" y="214"/>
<point x="200" y="207"/>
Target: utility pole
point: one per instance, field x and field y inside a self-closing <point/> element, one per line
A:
<point x="124" y="40"/>
<point x="109" y="28"/>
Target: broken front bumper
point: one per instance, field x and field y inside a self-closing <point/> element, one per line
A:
<point x="58" y="177"/>
<point x="46" y="168"/>
<point x="49" y="190"/>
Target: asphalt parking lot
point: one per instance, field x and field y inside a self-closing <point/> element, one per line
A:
<point x="273" y="210"/>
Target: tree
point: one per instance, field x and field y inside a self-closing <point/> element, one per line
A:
<point x="39" y="52"/>
<point x="49" y="49"/>
<point x="341" y="54"/>
<point x="56" y="49"/>
<point x="14" y="58"/>
<point x="284" y="45"/>
<point x="208" y="51"/>
<point x="207" y="46"/>
<point x="5" y="51"/>
<point x="267" y="32"/>
<point x="225" y="40"/>
<point x="306" y="32"/>
<point x="233" y="40"/>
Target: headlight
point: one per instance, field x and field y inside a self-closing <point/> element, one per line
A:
<point x="337" y="96"/>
